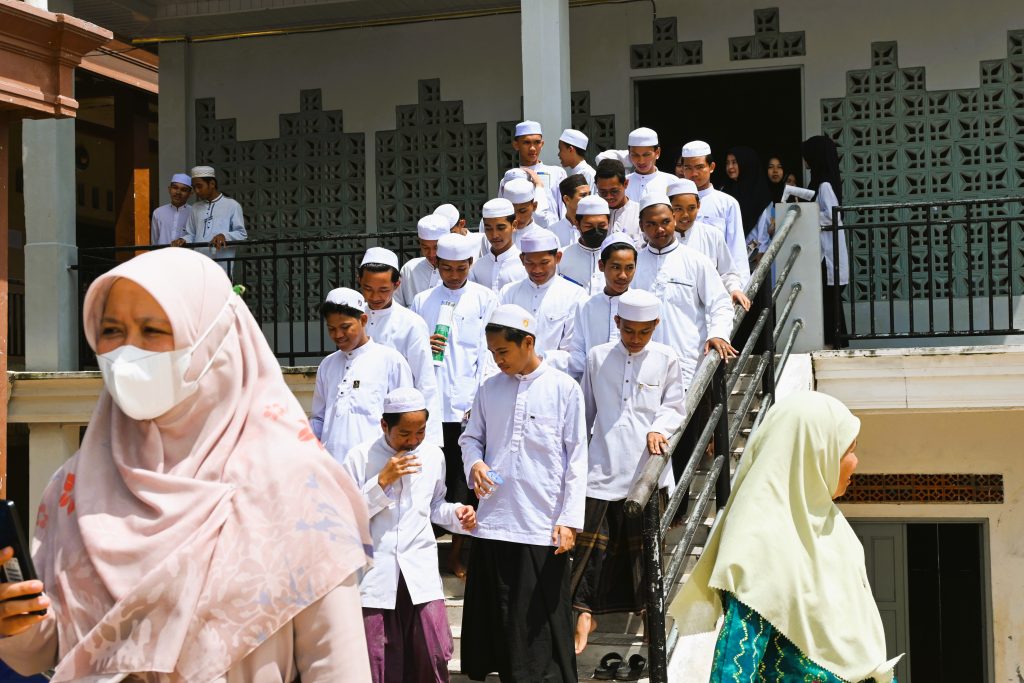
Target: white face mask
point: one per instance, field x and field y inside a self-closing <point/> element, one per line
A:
<point x="147" y="384"/>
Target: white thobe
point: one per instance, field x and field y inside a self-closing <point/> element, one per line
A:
<point x="466" y="358"/>
<point x="595" y="324"/>
<point x="405" y="332"/>
<point x="222" y="216"/>
<point x="494" y="272"/>
<point x="626" y="219"/>
<point x="168" y="223"/>
<point x="400" y="517"/>
<point x="348" y="397"/>
<point x="655" y="182"/>
<point x="566" y="232"/>
<point x="579" y="265"/>
<point x="710" y="242"/>
<point x="723" y="212"/>
<point x="417" y="276"/>
<point x="519" y="233"/>
<point x="586" y="170"/>
<point x="553" y="305"/>
<point x="549" y="206"/>
<point x="826" y="200"/>
<point x="628" y="395"/>
<point x="691" y="293"/>
<point x="531" y="429"/>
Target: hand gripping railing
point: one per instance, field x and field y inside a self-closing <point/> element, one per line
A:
<point x="708" y="395"/>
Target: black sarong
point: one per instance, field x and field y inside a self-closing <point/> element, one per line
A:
<point x="517" y="618"/>
<point x="608" y="564"/>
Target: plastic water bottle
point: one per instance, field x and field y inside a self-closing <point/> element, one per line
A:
<point x="444" y="327"/>
<point x="496" y="477"/>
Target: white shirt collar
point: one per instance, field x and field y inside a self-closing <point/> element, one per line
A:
<point x="535" y="374"/>
<point x="672" y="246"/>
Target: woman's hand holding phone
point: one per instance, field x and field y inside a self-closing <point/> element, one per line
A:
<point x="15" y="606"/>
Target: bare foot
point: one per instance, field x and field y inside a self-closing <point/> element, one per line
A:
<point x="585" y="625"/>
<point x="455" y="558"/>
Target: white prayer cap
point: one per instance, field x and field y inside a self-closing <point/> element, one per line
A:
<point x="343" y="296"/>
<point x="540" y="239"/>
<point x="204" y="172"/>
<point x="592" y="205"/>
<point x="455" y="247"/>
<point x="515" y="173"/>
<point x="571" y="136"/>
<point x="449" y="212"/>
<point x="181" y="179"/>
<point x="528" y="128"/>
<point x="498" y="208"/>
<point x="642" y="137"/>
<point x="519" y="191"/>
<point x="617" y="237"/>
<point x="654" y="198"/>
<point x="617" y="154"/>
<point x="516" y="317"/>
<point x="682" y="186"/>
<point x="432" y="227"/>
<point x="639" y="306"/>
<point x="696" y="148"/>
<point x="380" y="255"/>
<point x="404" y="400"/>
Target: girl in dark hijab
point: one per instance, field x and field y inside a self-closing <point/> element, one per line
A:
<point x="746" y="184"/>
<point x="776" y="177"/>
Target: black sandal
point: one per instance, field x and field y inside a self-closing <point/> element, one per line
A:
<point x="632" y="671"/>
<point x="610" y="663"/>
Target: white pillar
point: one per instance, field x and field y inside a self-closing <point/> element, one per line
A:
<point x="174" y="131"/>
<point x="49" y="446"/>
<point x="545" y="50"/>
<point x="51" y="295"/>
<point x="807" y="272"/>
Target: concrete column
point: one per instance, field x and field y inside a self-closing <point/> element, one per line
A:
<point x="49" y="446"/>
<point x="51" y="294"/>
<point x="177" y="145"/>
<point x="545" y="50"/>
<point x="807" y="272"/>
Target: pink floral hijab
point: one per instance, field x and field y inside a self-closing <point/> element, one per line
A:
<point x="172" y="548"/>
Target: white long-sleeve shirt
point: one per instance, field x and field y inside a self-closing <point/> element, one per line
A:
<point x="710" y="242"/>
<point x="579" y="265"/>
<point x="400" y="517"/>
<point x="466" y="358"/>
<point x="222" y="216"/>
<point x="553" y="305"/>
<point x="405" y="332"/>
<point x="595" y="324"/>
<point x="585" y="170"/>
<point x="348" y="397"/>
<point x="519" y="233"/>
<point x="549" y="197"/>
<point x="826" y="200"/>
<point x="168" y="223"/>
<point x="494" y="272"/>
<point x="691" y="292"/>
<point x="626" y="219"/>
<point x="628" y="395"/>
<point x="566" y="232"/>
<point x="655" y="182"/>
<point x="532" y="430"/>
<point x="723" y="212"/>
<point x="417" y="276"/>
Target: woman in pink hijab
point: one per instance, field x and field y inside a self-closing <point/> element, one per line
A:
<point x="201" y="533"/>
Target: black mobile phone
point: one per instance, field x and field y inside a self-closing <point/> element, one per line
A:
<point x="20" y="567"/>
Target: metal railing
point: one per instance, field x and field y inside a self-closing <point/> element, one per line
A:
<point x="285" y="280"/>
<point x="708" y="422"/>
<point x="930" y="269"/>
<point x="16" y="319"/>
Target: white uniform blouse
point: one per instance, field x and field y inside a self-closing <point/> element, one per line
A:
<point x="826" y="200"/>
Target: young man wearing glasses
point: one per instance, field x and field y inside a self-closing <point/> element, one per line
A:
<point x="611" y="186"/>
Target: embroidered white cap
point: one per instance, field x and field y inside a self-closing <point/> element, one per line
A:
<point x="449" y="212"/>
<point x="404" y="400"/>
<point x="514" y="174"/>
<point x="571" y="136"/>
<point x="432" y="227"/>
<point x="540" y="239"/>
<point x="343" y="296"/>
<point x="592" y="205"/>
<point x="455" y="247"/>
<point x="498" y="208"/>
<point x="654" y="198"/>
<point x="519" y="191"/>
<point x="380" y="255"/>
<point x="528" y="128"/>
<point x="696" y="148"/>
<point x="181" y="179"/>
<point x="617" y="237"/>
<point x="204" y="172"/>
<point x="682" y="186"/>
<point x="642" y="137"/>
<point x="639" y="306"/>
<point x="515" y="317"/>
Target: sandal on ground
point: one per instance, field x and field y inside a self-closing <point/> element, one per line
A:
<point x="610" y="663"/>
<point x="632" y="670"/>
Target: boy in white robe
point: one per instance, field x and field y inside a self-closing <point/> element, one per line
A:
<point x="420" y="274"/>
<point x="580" y="259"/>
<point x="573" y="189"/>
<point x="500" y="264"/>
<point x="644" y="152"/>
<point x="572" y="150"/>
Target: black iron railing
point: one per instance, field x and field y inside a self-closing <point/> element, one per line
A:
<point x="709" y="421"/>
<point x="931" y="269"/>
<point x="16" y="320"/>
<point x="285" y="282"/>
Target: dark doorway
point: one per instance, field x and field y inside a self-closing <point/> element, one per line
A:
<point x="759" y="109"/>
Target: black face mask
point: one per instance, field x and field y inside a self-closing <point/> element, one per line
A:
<point x="593" y="238"/>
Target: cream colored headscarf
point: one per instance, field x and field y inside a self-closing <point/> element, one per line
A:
<point x="784" y="549"/>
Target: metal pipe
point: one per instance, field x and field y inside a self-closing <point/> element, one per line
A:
<point x="784" y="273"/>
<point x="686" y="477"/>
<point x="748" y="398"/>
<point x="797" y="326"/>
<point x="690" y="530"/>
<point x="787" y="309"/>
<point x="657" y="656"/>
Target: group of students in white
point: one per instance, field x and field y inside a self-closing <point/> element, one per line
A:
<point x="528" y="371"/>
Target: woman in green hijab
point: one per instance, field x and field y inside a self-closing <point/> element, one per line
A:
<point x="783" y="565"/>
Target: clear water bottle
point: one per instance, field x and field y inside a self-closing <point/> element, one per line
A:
<point x="496" y="477"/>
